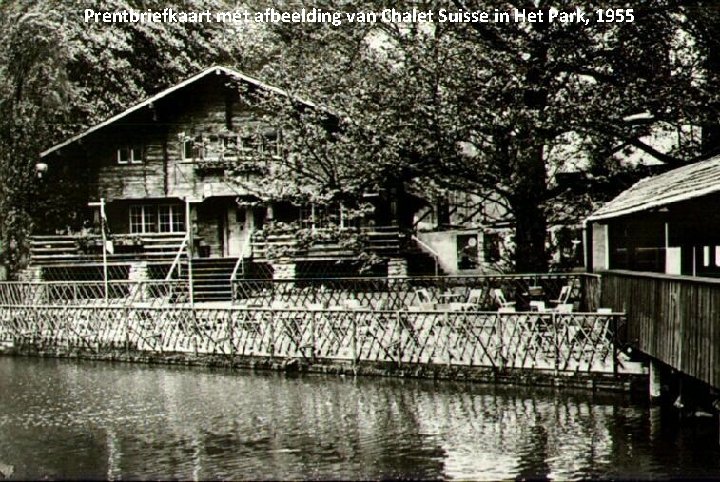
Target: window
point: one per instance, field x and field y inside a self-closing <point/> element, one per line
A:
<point x="162" y="218"/>
<point x="193" y="148"/>
<point x="250" y="142"/>
<point x="491" y="247"/>
<point x="272" y="141"/>
<point x="130" y="155"/>
<point x="266" y="140"/>
<point x="319" y="215"/>
<point x="172" y="218"/>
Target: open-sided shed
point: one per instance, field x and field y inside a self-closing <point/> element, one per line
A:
<point x="669" y="223"/>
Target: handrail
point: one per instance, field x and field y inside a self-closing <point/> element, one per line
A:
<point x="238" y="264"/>
<point x="241" y="258"/>
<point x="426" y="247"/>
<point x="176" y="261"/>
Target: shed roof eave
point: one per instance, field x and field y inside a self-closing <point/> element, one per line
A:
<point x="655" y="204"/>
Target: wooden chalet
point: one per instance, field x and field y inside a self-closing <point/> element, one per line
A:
<point x="161" y="172"/>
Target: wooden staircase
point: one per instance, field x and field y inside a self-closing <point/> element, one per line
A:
<point x="212" y="278"/>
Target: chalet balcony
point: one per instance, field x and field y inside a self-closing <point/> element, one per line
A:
<point x="247" y="165"/>
<point x="327" y="244"/>
<point x="87" y="248"/>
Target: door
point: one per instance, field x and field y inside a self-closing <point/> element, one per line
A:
<point x="234" y="229"/>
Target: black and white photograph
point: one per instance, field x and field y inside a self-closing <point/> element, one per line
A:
<point x="359" y="240"/>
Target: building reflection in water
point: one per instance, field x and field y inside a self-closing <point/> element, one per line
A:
<point x="100" y="420"/>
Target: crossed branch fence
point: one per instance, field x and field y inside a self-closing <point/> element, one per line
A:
<point x="572" y="342"/>
<point x="398" y="293"/>
<point x="371" y="293"/>
<point x="313" y="319"/>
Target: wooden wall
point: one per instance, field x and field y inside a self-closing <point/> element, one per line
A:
<point x="207" y="106"/>
<point x="674" y="319"/>
<point x="598" y="246"/>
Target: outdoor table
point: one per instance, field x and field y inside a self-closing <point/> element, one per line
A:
<point x="450" y="297"/>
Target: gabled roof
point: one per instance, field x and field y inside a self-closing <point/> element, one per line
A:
<point x="212" y="70"/>
<point x="681" y="184"/>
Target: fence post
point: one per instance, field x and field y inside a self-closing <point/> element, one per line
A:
<point x="312" y="334"/>
<point x="446" y="317"/>
<point x="555" y="337"/>
<point x="271" y="329"/>
<point x="398" y="344"/>
<point x="231" y="334"/>
<point x="614" y="325"/>
<point x="127" y="330"/>
<point x="196" y="330"/>
<point x="353" y="319"/>
<point x="501" y="340"/>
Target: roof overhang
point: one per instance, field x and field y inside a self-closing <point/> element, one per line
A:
<point x="149" y="102"/>
<point x="654" y="204"/>
<point x="678" y="185"/>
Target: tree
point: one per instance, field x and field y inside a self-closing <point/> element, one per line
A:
<point x="499" y="108"/>
<point x="59" y="75"/>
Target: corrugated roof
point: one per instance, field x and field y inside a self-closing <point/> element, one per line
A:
<point x="217" y="70"/>
<point x="681" y="184"/>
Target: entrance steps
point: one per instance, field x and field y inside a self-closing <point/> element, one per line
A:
<point x="212" y="278"/>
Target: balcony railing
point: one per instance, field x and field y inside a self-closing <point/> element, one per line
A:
<point x="671" y="318"/>
<point x="383" y="241"/>
<point x="83" y="248"/>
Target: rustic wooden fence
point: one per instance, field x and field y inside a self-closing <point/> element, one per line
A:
<point x="94" y="293"/>
<point x="371" y="293"/>
<point x="571" y="342"/>
<point x="671" y="318"/>
<point x="398" y="293"/>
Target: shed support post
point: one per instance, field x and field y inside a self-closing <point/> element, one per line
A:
<point x="655" y="381"/>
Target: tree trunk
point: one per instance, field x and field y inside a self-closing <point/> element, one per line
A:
<point x="527" y="204"/>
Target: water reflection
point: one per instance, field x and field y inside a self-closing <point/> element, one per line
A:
<point x="64" y="419"/>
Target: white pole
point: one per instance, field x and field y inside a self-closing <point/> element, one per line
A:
<point x="189" y="249"/>
<point x="104" y="243"/>
<point x="101" y="205"/>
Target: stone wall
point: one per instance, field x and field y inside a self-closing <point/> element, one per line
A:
<point x="397" y="268"/>
<point x="284" y="270"/>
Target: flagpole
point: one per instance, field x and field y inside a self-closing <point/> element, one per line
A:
<point x="189" y="247"/>
<point x="104" y="243"/>
<point x="101" y="204"/>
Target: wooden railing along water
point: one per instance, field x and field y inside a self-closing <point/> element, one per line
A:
<point x="429" y="291"/>
<point x="349" y="321"/>
<point x="671" y="318"/>
<point x="572" y="342"/>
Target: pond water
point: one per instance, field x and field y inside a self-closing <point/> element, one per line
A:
<point x="98" y="420"/>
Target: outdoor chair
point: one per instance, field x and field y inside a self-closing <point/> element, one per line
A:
<point x="474" y="301"/>
<point x="424" y="300"/>
<point x="500" y="299"/>
<point x="563" y="297"/>
<point x="352" y="304"/>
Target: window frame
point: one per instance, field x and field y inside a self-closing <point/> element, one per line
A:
<point x="131" y="151"/>
<point x="163" y="218"/>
